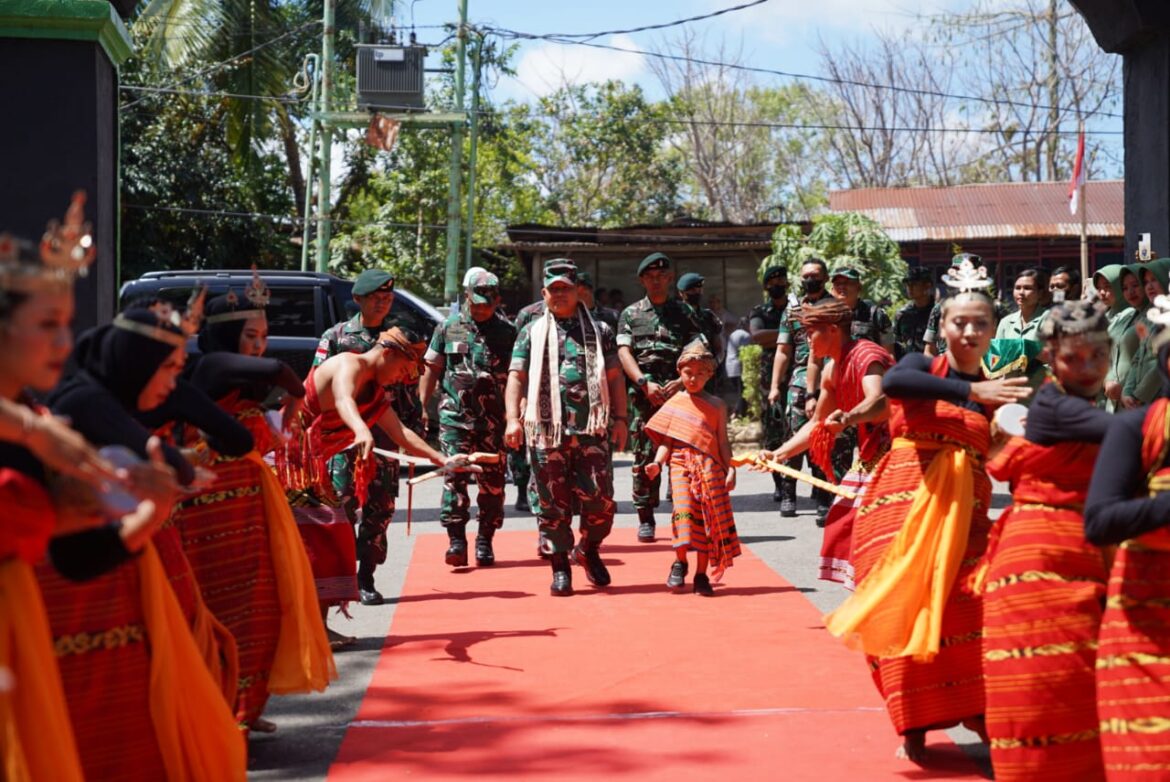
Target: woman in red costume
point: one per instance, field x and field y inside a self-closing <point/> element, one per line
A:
<point x="923" y="525"/>
<point x="239" y="536"/>
<point x="1129" y="504"/>
<point x="1044" y="584"/>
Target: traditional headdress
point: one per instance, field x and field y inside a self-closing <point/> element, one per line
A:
<point x="257" y="295"/>
<point x="405" y="342"/>
<point x="1159" y="315"/>
<point x="65" y="252"/>
<point x="966" y="277"/>
<point x="697" y="351"/>
<point x="830" y="311"/>
<point x="1076" y="318"/>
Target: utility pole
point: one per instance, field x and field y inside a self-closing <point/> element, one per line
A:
<point x="324" y="187"/>
<point x="451" y="284"/>
<point x="476" y="64"/>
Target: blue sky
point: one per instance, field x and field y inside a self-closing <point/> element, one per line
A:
<point x="779" y="34"/>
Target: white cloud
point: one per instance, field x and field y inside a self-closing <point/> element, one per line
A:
<point x="548" y="66"/>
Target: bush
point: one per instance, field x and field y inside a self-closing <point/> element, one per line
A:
<point x="749" y="357"/>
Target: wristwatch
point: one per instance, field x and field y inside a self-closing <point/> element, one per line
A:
<point x="641" y="382"/>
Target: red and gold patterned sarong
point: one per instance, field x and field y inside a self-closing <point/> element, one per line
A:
<point x="1133" y="652"/>
<point x="702" y="519"/>
<point x="946" y="626"/>
<point x="1043" y="592"/>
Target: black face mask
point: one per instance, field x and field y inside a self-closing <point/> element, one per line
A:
<point x="777" y="291"/>
<point x="812" y="286"/>
<point x="693" y="299"/>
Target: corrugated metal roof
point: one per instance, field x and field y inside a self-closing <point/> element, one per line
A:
<point x="993" y="211"/>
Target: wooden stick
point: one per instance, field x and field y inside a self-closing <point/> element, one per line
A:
<point x="784" y="469"/>
<point x="479" y="457"/>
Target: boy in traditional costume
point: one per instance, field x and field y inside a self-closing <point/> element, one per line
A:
<point x="690" y="431"/>
<point x="1045" y="584"/>
<point x="922" y="525"/>
<point x="1128" y="504"/>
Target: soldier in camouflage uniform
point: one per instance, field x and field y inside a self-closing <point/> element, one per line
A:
<point x="373" y="290"/>
<point x="764" y="324"/>
<point x="651" y="334"/>
<point x="585" y="296"/>
<point x="690" y="288"/>
<point x="471" y="351"/>
<point x="568" y="433"/>
<point x="792" y="364"/>
<point x="911" y="319"/>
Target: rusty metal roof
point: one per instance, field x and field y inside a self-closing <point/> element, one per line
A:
<point x="993" y="211"/>
<point x="681" y="232"/>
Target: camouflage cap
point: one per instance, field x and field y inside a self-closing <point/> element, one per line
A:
<point x="481" y="285"/>
<point x="689" y="280"/>
<point x="653" y="261"/>
<point x="560" y="270"/>
<point x="846" y="270"/>
<point x="371" y="280"/>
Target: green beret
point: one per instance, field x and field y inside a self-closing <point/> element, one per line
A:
<point x="371" y="280"/>
<point x="775" y="271"/>
<point x="560" y="269"/>
<point x="586" y="279"/>
<point x="689" y="280"/>
<point x="918" y="274"/>
<point x="653" y="261"/>
<point x="845" y="270"/>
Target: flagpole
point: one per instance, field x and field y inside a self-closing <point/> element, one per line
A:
<point x="1084" y="206"/>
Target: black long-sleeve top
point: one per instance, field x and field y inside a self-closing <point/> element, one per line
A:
<point x="1056" y="417"/>
<point x="218" y="374"/>
<point x="1116" y="509"/>
<point x="188" y="404"/>
<point x="911" y="378"/>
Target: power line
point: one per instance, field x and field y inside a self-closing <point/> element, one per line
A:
<point x="516" y="35"/>
<point x="662" y="26"/>
<point x="203" y="94"/>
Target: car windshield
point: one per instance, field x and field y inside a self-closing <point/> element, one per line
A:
<point x="291" y="311"/>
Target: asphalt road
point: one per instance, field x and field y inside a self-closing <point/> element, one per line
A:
<point x="311" y="727"/>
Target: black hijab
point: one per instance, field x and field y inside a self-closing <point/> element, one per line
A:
<point x="220" y="333"/>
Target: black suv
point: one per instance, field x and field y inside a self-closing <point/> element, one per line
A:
<point x="303" y="305"/>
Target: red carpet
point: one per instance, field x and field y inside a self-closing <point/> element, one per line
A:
<point x="486" y="674"/>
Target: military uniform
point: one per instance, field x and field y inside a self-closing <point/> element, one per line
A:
<point x="474" y="359"/>
<point x="871" y="322"/>
<point x="351" y="337"/>
<point x="712" y="330"/>
<point x="767" y="317"/>
<point x="656" y="334"/>
<point x="577" y="472"/>
<point x="910" y="325"/>
<point x="518" y="459"/>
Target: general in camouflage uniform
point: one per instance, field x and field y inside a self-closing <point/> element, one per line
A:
<point x="651" y="334"/>
<point x="690" y="288"/>
<point x="373" y="290"/>
<point x="792" y="340"/>
<point x="912" y="318"/>
<point x="764" y="324"/>
<point x="470" y="352"/>
<point x="571" y="458"/>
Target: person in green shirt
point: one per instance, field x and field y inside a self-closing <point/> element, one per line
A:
<point x="1028" y="293"/>
<point x="1119" y="289"/>
<point x="1143" y="381"/>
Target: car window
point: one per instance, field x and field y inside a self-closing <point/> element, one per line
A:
<point x="408" y="316"/>
<point x="291" y="311"/>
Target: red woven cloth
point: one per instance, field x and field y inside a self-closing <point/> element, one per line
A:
<point x="1041" y="613"/>
<point x="872" y="439"/>
<point x="29" y="517"/>
<point x="1133" y="652"/>
<point x="950" y="688"/>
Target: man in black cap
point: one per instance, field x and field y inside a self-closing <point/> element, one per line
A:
<point x="911" y="319"/>
<point x="651" y="334"/>
<point x="764" y="323"/>
<point x="373" y="290"/>
<point x="585" y="296"/>
<point x="690" y="288"/>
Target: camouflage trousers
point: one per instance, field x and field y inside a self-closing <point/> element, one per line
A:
<point x="455" y="511"/>
<point x="577" y="474"/>
<point x="377" y="510"/>
<point x="519" y="467"/>
<point x="645" y="491"/>
<point x="775" y="420"/>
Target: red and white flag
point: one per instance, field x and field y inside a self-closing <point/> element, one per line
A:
<point x="1078" y="177"/>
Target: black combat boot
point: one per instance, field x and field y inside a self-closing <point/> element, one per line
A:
<point x="562" y="583"/>
<point x="645" y="525"/>
<point x="588" y="556"/>
<point x="823" y="502"/>
<point x="778" y="491"/>
<point x="484" y="555"/>
<point x="457" y="551"/>
<point x="366" y="592"/>
<point x="787" y="497"/>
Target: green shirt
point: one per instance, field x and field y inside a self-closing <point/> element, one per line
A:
<point x="1012" y="326"/>
<point x="572" y="370"/>
<point x="473" y="358"/>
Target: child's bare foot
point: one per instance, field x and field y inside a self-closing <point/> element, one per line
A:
<point x="913" y="747"/>
<point x="261" y="725"/>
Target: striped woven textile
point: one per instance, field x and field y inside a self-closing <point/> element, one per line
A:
<point x="225" y="537"/>
<point x="837" y="545"/>
<point x="1043" y="593"/>
<point x="1133" y="647"/>
<point x="949" y="689"/>
<point x="100" y="639"/>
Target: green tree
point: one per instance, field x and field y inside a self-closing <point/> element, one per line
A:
<point x="843" y="237"/>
